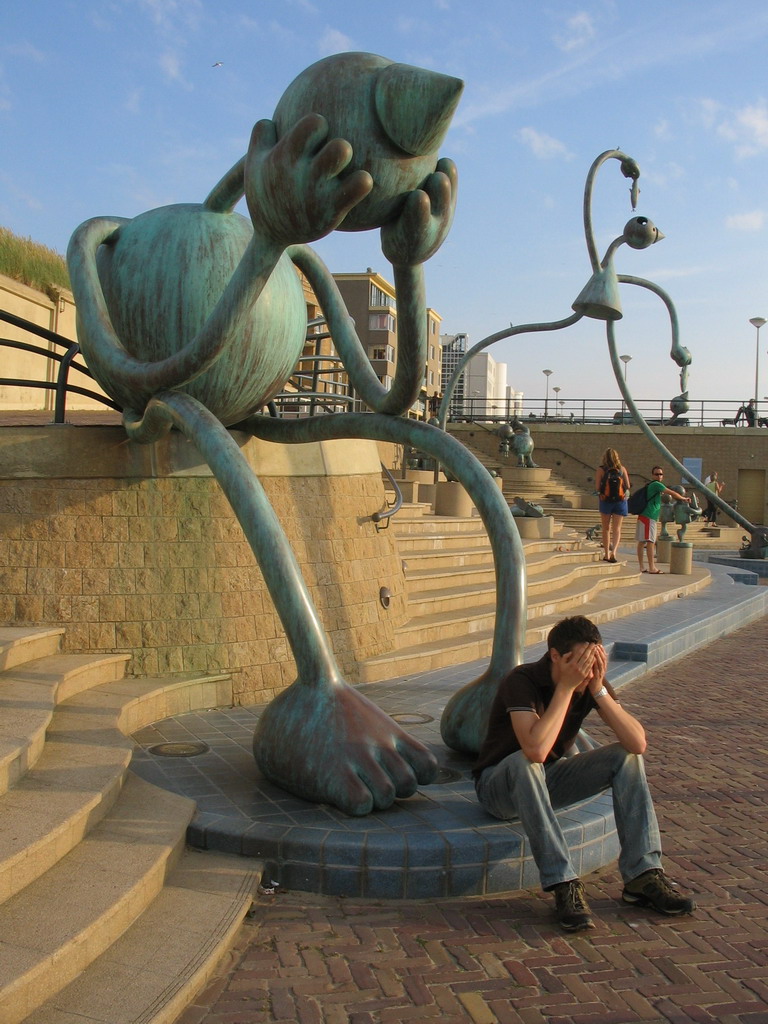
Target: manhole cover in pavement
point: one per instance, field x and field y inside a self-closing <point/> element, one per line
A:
<point x="412" y="718"/>
<point x="179" y="749"/>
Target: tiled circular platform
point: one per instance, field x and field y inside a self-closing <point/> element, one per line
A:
<point x="439" y="842"/>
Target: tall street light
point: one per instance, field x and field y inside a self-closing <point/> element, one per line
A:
<point x="547" y="374"/>
<point x="757" y="322"/>
<point x="626" y="360"/>
<point x="557" y="390"/>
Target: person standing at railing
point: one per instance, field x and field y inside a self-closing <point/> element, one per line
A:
<point x="612" y="486"/>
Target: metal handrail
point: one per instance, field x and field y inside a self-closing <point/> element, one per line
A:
<point x="387" y="513"/>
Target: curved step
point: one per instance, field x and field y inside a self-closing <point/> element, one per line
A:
<point x="80" y="771"/>
<point x="19" y="644"/>
<point x="58" y="926"/>
<point x="28" y="695"/>
<point x="157" y="967"/>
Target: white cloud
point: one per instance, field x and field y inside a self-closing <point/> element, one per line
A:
<point x="334" y="41"/>
<point x="748" y="129"/>
<point x="543" y="146"/>
<point x="133" y="101"/>
<point x="752" y="221"/>
<point x="170" y="64"/>
<point x="580" y="30"/>
<point x="169" y="14"/>
<point x="26" y="51"/>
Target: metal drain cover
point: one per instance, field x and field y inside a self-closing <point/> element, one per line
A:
<point x="179" y="749"/>
<point x="412" y="718"/>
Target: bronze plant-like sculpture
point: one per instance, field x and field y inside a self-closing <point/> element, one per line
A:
<point x="192" y="317"/>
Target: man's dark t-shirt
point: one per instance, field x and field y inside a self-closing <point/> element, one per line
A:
<point x="529" y="688"/>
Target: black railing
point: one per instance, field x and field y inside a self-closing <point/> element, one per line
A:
<point x="66" y="362"/>
<point x="319" y="386"/>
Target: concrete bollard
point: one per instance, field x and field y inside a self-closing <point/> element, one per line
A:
<point x="662" y="550"/>
<point x="681" y="558"/>
<point x="452" y="500"/>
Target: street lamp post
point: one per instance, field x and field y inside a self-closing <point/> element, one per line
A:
<point x="557" y="389"/>
<point x="757" y="322"/>
<point x="626" y="360"/>
<point x="547" y="374"/>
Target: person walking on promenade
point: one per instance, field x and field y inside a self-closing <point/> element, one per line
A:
<point x="523" y="770"/>
<point x="612" y="486"/>
<point x="648" y="520"/>
<point x="714" y="486"/>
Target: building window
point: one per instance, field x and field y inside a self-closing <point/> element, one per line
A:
<point x="386" y="380"/>
<point x="380" y="298"/>
<point x="385" y="352"/>
<point x="381" y="322"/>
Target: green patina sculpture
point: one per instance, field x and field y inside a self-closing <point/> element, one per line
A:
<point x="192" y="316"/>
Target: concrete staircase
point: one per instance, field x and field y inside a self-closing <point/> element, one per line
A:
<point x="451" y="590"/>
<point x="105" y="916"/>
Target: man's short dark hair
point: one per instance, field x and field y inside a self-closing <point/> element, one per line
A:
<point x="577" y="629"/>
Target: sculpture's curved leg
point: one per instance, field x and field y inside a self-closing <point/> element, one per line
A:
<point x="465" y="716"/>
<point x="320" y="738"/>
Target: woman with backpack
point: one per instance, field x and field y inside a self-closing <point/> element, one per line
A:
<point x="612" y="486"/>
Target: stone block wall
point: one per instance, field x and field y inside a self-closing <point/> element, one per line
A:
<point x="574" y="451"/>
<point x="155" y="564"/>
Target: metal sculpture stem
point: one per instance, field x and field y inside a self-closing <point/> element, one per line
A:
<point x="629" y="169"/>
<point x="508" y="332"/>
<point x="314" y="659"/>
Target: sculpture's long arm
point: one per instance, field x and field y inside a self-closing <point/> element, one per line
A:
<point x="107" y="354"/>
<point x="508" y="332"/>
<point x="678" y="352"/>
<point x="309" y="643"/>
<point x="412" y="334"/>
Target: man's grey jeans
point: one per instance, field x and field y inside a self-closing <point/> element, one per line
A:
<point x="519" y="788"/>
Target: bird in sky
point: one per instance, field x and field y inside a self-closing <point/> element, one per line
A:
<point x="218" y="64"/>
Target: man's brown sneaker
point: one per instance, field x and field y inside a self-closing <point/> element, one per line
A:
<point x="654" y="889"/>
<point x="571" y="907"/>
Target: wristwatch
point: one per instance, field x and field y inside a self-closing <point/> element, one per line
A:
<point x="602" y="692"/>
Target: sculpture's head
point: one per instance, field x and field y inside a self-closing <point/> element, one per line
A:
<point x="395" y="117"/>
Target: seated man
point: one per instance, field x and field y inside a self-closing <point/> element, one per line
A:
<point x="522" y="771"/>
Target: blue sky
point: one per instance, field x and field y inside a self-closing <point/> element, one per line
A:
<point x="112" y="107"/>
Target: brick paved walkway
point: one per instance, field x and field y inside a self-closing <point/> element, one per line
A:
<point x="326" y="960"/>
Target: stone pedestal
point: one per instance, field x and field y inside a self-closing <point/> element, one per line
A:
<point x="452" y="500"/>
<point x="681" y="558"/>
<point x="662" y="550"/>
<point x="517" y="476"/>
<point x="409" y="490"/>
<point x="427" y="493"/>
<point x="531" y="528"/>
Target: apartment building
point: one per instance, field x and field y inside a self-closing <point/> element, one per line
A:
<point x="372" y="304"/>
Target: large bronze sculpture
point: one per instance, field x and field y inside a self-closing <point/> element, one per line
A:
<point x="192" y="317"/>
